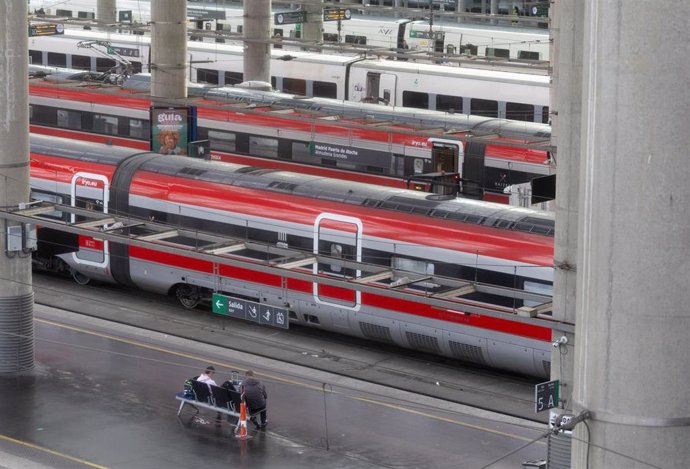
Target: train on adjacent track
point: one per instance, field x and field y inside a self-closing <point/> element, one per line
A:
<point x="346" y="77"/>
<point x="441" y="36"/>
<point x="409" y="232"/>
<point x="355" y="141"/>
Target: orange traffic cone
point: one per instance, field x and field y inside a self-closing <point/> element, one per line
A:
<point x="241" y="431"/>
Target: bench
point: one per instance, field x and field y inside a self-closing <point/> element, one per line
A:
<point x="216" y="398"/>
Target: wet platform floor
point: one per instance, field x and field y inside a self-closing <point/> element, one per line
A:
<point x="102" y="395"/>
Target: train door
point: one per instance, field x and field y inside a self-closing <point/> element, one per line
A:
<point x="446" y="156"/>
<point x="339" y="237"/>
<point x="90" y="191"/>
<point x="381" y="88"/>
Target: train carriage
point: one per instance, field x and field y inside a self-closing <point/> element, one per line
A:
<point x="403" y="230"/>
<point x="315" y="135"/>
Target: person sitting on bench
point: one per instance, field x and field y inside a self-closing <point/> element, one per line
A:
<point x="255" y="396"/>
<point x="207" y="376"/>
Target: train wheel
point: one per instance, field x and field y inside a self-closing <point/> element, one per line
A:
<point x="188" y="295"/>
<point x="80" y="278"/>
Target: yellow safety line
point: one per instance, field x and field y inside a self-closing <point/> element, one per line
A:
<point x="284" y="380"/>
<point x="50" y="451"/>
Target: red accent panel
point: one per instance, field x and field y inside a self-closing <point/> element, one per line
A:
<point x="372" y="300"/>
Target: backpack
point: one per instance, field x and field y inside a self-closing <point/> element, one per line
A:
<point x="187" y="387"/>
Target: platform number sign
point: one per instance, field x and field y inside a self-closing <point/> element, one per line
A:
<point x="546" y="395"/>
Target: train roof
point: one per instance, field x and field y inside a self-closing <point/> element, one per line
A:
<point x="316" y="187"/>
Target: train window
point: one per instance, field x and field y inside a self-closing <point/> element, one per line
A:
<point x="448" y="103"/>
<point x="262" y="146"/>
<point x="36" y="57"/>
<point x="352" y="39"/>
<point x="68" y="119"/>
<point x="415" y="99"/>
<point x="528" y="55"/>
<point x="222" y="141"/>
<point x="337" y="253"/>
<point x="545" y="115"/>
<point x="323" y="89"/>
<point x="138" y="128"/>
<point x="43" y="115"/>
<point x="498" y="53"/>
<point x="81" y="62"/>
<point x="295" y="86"/>
<point x="205" y="75"/>
<point x="136" y="67"/>
<point x="300" y="152"/>
<point x="330" y="37"/>
<point x="240" y="29"/>
<point x="536" y="287"/>
<point x="520" y="112"/>
<point x="415" y="266"/>
<point x="233" y="78"/>
<point x="484" y="107"/>
<point x="103" y="65"/>
<point x="399" y="165"/>
<point x="57" y="60"/>
<point x="105" y="124"/>
<point x="469" y="49"/>
<point x="51" y="198"/>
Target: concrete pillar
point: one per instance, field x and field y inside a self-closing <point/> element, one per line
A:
<point x="169" y="49"/>
<point x="16" y="293"/>
<point x="312" y="30"/>
<point x="567" y="20"/>
<point x="257" y="32"/>
<point x="631" y="362"/>
<point x="106" y="11"/>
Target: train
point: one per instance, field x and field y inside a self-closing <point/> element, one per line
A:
<point x="345" y="77"/>
<point x="315" y="135"/>
<point x="442" y="36"/>
<point x="409" y="232"/>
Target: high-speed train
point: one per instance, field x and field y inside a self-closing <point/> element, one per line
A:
<point x="441" y="36"/>
<point x="346" y="77"/>
<point x="318" y="136"/>
<point x="406" y="231"/>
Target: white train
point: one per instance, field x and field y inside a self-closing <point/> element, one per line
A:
<point x="489" y="93"/>
<point x="443" y="36"/>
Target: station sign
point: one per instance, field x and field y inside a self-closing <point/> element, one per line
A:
<point x="290" y="17"/>
<point x="46" y="29"/>
<point x="336" y="14"/>
<point x="205" y="14"/>
<point x="436" y="35"/>
<point x="260" y="313"/>
<point x="546" y="395"/>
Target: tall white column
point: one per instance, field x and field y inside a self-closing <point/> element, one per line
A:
<point x="169" y="49"/>
<point x="16" y="292"/>
<point x="631" y="364"/>
<point x="257" y="32"/>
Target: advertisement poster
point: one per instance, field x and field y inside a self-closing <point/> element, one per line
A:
<point x="169" y="131"/>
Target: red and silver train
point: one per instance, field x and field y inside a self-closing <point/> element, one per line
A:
<point x="313" y="135"/>
<point x="407" y="231"/>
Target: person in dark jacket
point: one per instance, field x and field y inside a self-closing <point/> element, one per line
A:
<point x="254" y="394"/>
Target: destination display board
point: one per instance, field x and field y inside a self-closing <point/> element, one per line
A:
<point x="46" y="29"/>
<point x="290" y="17"/>
<point x="336" y="14"/>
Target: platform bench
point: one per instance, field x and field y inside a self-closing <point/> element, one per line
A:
<point x="215" y="398"/>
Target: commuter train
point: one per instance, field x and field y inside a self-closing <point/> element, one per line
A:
<point x="373" y="31"/>
<point x="312" y="135"/>
<point x="345" y="77"/>
<point x="409" y="232"/>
